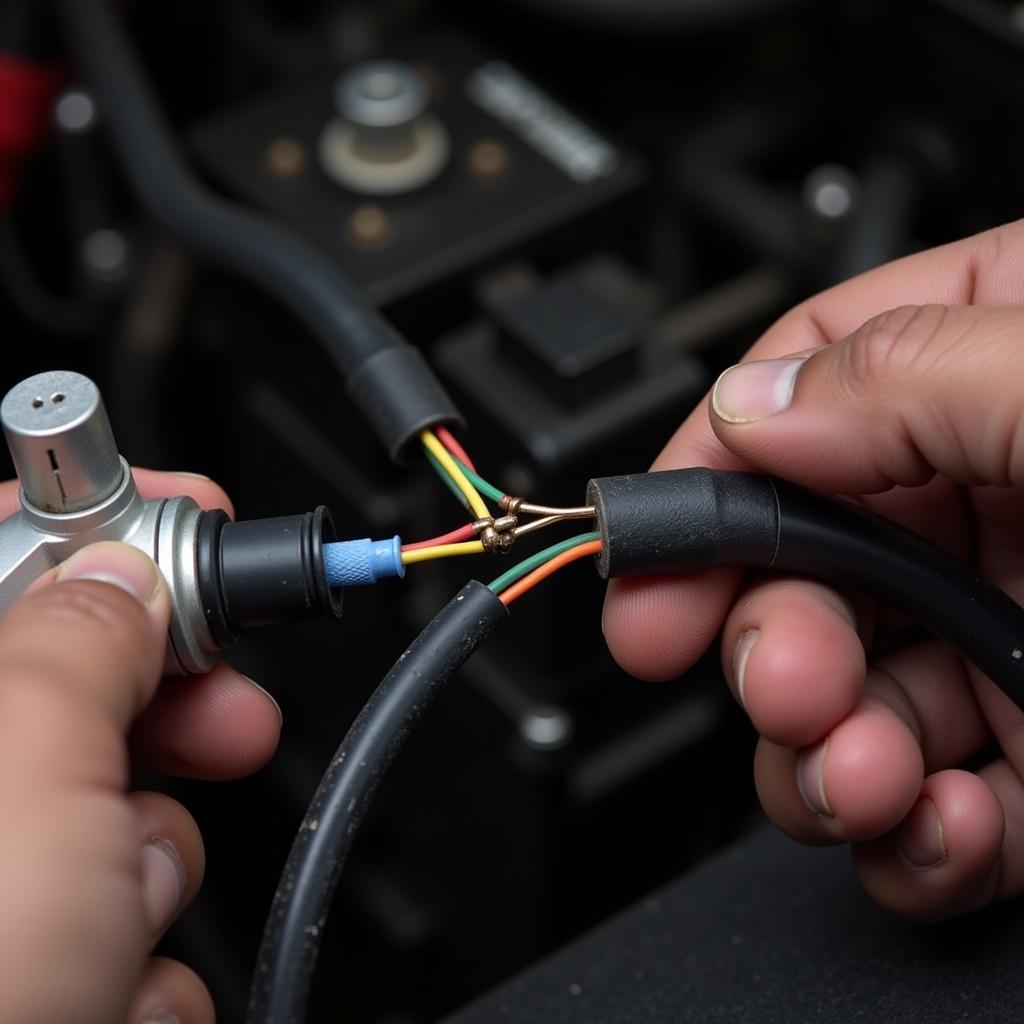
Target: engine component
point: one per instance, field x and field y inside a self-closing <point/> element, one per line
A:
<point x="384" y="141"/>
<point x="522" y="165"/>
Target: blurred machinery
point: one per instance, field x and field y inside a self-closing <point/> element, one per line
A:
<point x="579" y="216"/>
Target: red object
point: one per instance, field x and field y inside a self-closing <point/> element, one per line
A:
<point x="444" y="435"/>
<point x="462" y="533"/>
<point x="27" y="92"/>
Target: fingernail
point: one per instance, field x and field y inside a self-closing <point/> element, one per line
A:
<point x="740" y="654"/>
<point x="920" y="839"/>
<point x="194" y="476"/>
<point x="268" y="695"/>
<point x="810" y="778"/>
<point x="163" y="881"/>
<point x="162" y="1017"/>
<point x="752" y="391"/>
<point x="117" y="564"/>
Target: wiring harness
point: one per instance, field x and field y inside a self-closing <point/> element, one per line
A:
<point x="357" y="562"/>
<point x="650" y="523"/>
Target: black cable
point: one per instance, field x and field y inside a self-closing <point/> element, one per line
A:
<point x="691" y="519"/>
<point x="388" y="379"/>
<point x="291" y="941"/>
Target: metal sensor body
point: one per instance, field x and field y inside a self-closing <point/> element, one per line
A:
<point x="384" y="141"/>
<point x="61" y="442"/>
<point x="76" y="489"/>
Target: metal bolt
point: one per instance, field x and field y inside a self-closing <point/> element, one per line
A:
<point x="105" y="254"/>
<point x="381" y="94"/>
<point x="286" y="158"/>
<point x="488" y="158"/>
<point x="369" y="226"/>
<point x="383" y="141"/>
<point x="545" y="728"/>
<point x="830" y="191"/>
<point x="75" y="112"/>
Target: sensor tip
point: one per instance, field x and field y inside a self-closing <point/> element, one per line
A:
<point x="61" y="442"/>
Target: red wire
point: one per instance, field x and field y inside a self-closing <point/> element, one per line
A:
<point x="456" y="536"/>
<point x="444" y="435"/>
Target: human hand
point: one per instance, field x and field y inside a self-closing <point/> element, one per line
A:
<point x="90" y="875"/>
<point x="918" y="410"/>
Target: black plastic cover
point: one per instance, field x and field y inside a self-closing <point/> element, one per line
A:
<point x="264" y="571"/>
<point x="399" y="396"/>
<point x="683" y="520"/>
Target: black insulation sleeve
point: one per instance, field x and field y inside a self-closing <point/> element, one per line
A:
<point x="397" y="392"/>
<point x="693" y="519"/>
<point x="291" y="941"/>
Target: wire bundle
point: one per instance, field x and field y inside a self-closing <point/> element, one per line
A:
<point x="459" y="474"/>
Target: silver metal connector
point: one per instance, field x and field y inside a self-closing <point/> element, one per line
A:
<point x="76" y="489"/>
<point x="61" y="442"/>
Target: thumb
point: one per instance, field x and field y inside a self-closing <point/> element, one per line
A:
<point x="80" y="654"/>
<point x="916" y="391"/>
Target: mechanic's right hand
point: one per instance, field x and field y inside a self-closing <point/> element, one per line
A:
<point x="919" y="410"/>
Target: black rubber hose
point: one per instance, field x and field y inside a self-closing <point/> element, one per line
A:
<point x="388" y="378"/>
<point x="693" y="519"/>
<point x="291" y="941"/>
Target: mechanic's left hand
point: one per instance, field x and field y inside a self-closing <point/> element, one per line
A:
<point x="90" y="875"/>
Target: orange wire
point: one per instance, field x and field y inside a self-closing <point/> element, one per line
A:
<point x="520" y="587"/>
<point x="445" y="436"/>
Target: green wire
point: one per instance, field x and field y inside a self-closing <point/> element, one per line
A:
<point x="517" y="572"/>
<point x="448" y="481"/>
<point x="480" y="483"/>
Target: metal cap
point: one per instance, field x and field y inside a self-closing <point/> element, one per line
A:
<point x="61" y="442"/>
<point x="381" y="94"/>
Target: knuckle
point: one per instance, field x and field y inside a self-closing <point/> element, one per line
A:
<point x="890" y="344"/>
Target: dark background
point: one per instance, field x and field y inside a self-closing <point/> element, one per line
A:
<point x="766" y="150"/>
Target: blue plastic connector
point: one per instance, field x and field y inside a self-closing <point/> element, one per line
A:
<point x="357" y="563"/>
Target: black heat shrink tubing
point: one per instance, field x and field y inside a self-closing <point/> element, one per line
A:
<point x="695" y="519"/>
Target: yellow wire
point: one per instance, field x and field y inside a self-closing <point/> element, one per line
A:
<point x="469" y="547"/>
<point x="438" y="450"/>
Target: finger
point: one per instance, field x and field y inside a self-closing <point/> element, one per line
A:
<point x="220" y="725"/>
<point x="171" y="992"/>
<point x="958" y="854"/>
<point x="641" y="618"/>
<point x="656" y="628"/>
<point x="172" y="858"/>
<point x="151" y="484"/>
<point x="918" y="712"/>
<point x="207" y="494"/>
<point x="945" y="857"/>
<point x="793" y="658"/>
<point x="855" y="784"/>
<point x="78" y="658"/>
<point x="922" y="388"/>
<point x="94" y="625"/>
